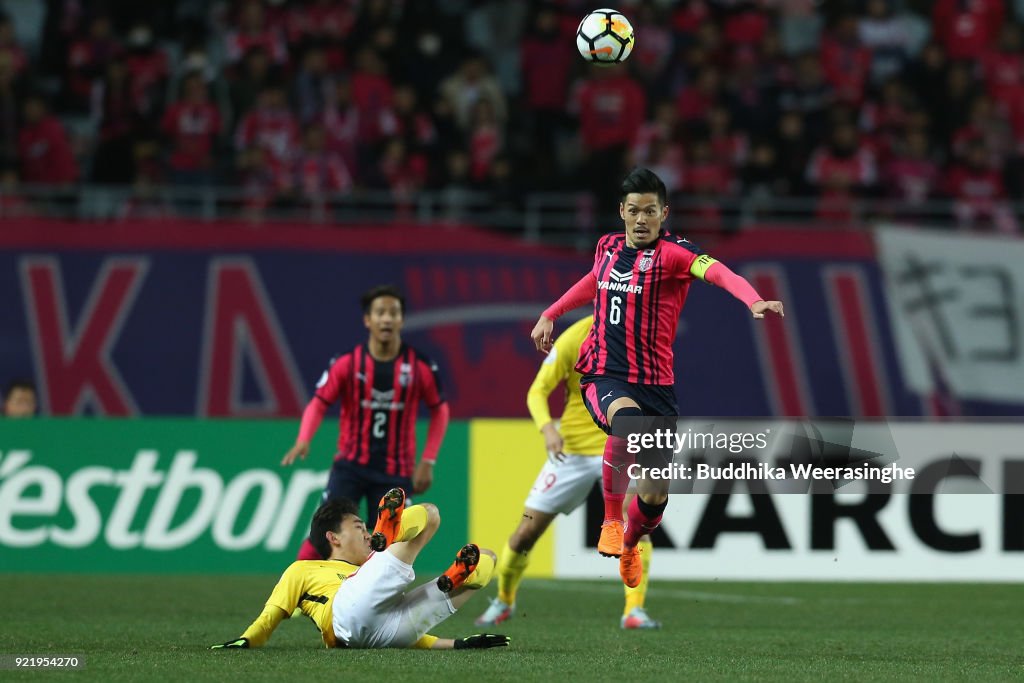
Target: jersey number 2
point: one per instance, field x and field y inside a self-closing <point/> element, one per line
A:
<point x="615" y="314"/>
<point x="379" y="420"/>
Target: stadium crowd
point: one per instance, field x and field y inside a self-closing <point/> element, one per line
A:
<point x="909" y="100"/>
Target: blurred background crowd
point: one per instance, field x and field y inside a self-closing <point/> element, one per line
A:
<point x="900" y="102"/>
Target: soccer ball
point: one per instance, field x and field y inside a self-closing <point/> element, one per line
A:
<point x="604" y="37"/>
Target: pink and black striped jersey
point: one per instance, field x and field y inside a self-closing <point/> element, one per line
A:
<point x="640" y="294"/>
<point x="379" y="402"/>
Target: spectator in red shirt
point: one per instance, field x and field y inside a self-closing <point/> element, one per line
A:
<point x="967" y="28"/>
<point x="545" y="75"/>
<point x="271" y="127"/>
<point x="317" y="171"/>
<point x="728" y="145"/>
<point x="610" y="106"/>
<point x="652" y="55"/>
<point x="327" y="22"/>
<point x="254" y="31"/>
<point x="694" y="102"/>
<point x="43" y="147"/>
<point x="341" y="125"/>
<point x="706" y="179"/>
<point x="149" y="69"/>
<point x="658" y="146"/>
<point x="192" y="124"/>
<point x="846" y="63"/>
<point x="1003" y="66"/>
<point x="402" y="173"/>
<point x="978" y="193"/>
<point x="912" y="175"/>
<point x="486" y="140"/>
<point x="372" y="96"/>
<point x="988" y="124"/>
<point x="746" y="24"/>
<point x="841" y="171"/>
<point x="87" y="58"/>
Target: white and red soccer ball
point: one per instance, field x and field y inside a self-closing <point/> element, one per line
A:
<point x="605" y="37"/>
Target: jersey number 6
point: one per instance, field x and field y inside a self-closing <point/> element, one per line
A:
<point x="615" y="314"/>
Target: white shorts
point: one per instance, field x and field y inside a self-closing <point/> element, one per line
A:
<point x="564" y="486"/>
<point x="372" y="609"/>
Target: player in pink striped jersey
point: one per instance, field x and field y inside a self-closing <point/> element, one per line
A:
<point x="637" y="286"/>
<point x="380" y="385"/>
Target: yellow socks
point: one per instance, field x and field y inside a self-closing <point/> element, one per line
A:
<point x="635" y="596"/>
<point x="414" y="519"/>
<point x="511" y="566"/>
<point x="481" y="576"/>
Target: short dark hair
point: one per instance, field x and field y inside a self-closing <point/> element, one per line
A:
<point x="328" y="517"/>
<point x="381" y="290"/>
<point x="642" y="181"/>
<point x="19" y="383"/>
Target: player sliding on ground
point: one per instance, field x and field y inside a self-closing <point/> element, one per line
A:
<point x="357" y="598"/>
<point x="637" y="287"/>
<point x="575" y="446"/>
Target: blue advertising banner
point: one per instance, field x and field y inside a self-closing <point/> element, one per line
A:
<point x="220" y="320"/>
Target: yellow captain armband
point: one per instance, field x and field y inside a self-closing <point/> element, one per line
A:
<point x="701" y="264"/>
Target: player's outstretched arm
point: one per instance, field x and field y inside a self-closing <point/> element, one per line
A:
<point x="258" y="632"/>
<point x="717" y="273"/>
<point x="312" y="416"/>
<point x="479" y="641"/>
<point x="579" y="294"/>
<point x="758" y="308"/>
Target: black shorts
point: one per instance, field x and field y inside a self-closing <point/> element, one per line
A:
<point x="355" y="482"/>
<point x="655" y="400"/>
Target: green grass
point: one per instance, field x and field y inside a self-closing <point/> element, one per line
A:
<point x="158" y="628"/>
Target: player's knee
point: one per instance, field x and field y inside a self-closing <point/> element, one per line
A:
<point x="622" y="425"/>
<point x="433" y="515"/>
<point x="654" y="498"/>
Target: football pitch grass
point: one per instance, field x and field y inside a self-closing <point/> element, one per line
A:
<point x="158" y="628"/>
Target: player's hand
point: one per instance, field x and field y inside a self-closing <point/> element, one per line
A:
<point x="235" y="644"/>
<point x="423" y="477"/>
<point x="482" y="640"/>
<point x="553" y="442"/>
<point x="758" y="308"/>
<point x="299" y="450"/>
<point x="541" y="334"/>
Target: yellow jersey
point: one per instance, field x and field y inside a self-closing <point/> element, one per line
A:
<point x="579" y="433"/>
<point x="309" y="585"/>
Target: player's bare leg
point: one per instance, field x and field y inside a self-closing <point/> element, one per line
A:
<point x="615" y="478"/>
